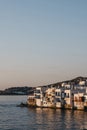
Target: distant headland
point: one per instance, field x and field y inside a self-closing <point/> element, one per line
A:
<point x="18" y="91"/>
<point x="25" y="90"/>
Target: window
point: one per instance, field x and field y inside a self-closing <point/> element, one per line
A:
<point x="58" y="100"/>
<point x="45" y="102"/>
<point x="63" y="95"/>
<point x="67" y="95"/>
<point x="58" y="94"/>
<point x="37" y="96"/>
<point x="37" y="91"/>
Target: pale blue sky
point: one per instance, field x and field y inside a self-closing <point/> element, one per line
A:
<point x="42" y="41"/>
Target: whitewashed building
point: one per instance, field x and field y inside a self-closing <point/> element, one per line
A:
<point x="66" y="96"/>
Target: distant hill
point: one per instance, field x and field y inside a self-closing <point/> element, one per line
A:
<point x="18" y="91"/>
<point x="30" y="90"/>
<point x="74" y="81"/>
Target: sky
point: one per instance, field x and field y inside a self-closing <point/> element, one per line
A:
<point x="42" y="41"/>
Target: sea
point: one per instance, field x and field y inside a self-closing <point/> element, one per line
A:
<point x="22" y="118"/>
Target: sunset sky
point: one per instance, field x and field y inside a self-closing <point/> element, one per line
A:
<point x="42" y="41"/>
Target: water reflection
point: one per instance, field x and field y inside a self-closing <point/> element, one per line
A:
<point x="51" y="119"/>
<point x="16" y="118"/>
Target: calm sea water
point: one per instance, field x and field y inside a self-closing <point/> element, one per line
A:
<point x="16" y="118"/>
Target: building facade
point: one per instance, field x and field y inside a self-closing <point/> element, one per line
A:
<point x="65" y="96"/>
